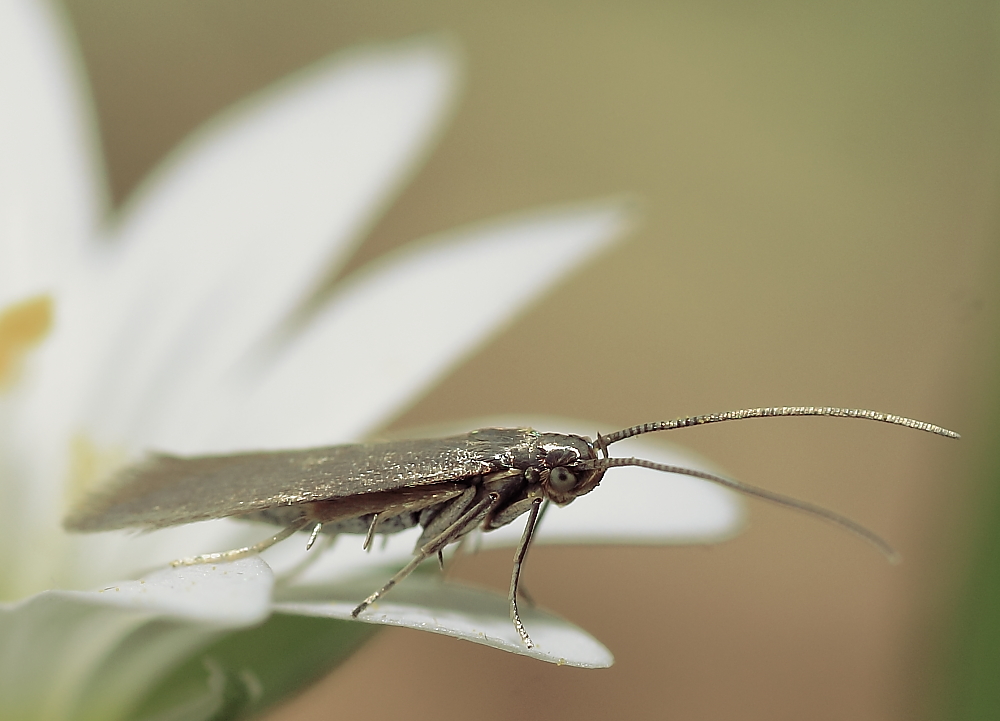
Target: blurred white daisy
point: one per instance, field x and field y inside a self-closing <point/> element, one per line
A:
<point x="166" y="330"/>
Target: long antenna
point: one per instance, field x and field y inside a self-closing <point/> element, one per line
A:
<point x="772" y="413"/>
<point x="843" y="521"/>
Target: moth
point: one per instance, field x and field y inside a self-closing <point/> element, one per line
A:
<point x="447" y="486"/>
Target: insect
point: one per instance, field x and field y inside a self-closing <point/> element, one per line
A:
<point x="447" y="486"/>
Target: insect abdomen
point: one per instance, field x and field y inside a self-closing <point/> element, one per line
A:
<point x="286" y="515"/>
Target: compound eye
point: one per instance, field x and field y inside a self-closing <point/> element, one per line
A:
<point x="561" y="480"/>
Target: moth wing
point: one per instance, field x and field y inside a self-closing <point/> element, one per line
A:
<point x="165" y="490"/>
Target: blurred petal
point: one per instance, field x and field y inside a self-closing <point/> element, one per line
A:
<point x="239" y="227"/>
<point x="394" y="330"/>
<point x="74" y="654"/>
<point x="49" y="193"/>
<point x="425" y="603"/>
<point x="214" y="254"/>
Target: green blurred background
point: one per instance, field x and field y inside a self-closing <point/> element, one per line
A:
<point x="820" y="197"/>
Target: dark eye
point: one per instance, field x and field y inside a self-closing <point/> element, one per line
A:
<point x="561" y="480"/>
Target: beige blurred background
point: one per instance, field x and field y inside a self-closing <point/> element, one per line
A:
<point x="820" y="198"/>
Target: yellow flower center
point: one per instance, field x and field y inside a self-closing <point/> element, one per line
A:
<point x="22" y="326"/>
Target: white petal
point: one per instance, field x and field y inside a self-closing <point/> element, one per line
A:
<point x="236" y="229"/>
<point x="231" y="594"/>
<point x="50" y="196"/>
<point x="425" y="603"/>
<point x="220" y="247"/>
<point x="97" y="559"/>
<point x="66" y="654"/>
<point x="394" y="330"/>
<point x="49" y="193"/>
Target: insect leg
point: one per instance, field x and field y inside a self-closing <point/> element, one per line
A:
<point x="445" y="515"/>
<point x="237" y="553"/>
<point x="370" y="536"/>
<point x="507" y="515"/>
<point x="431" y="547"/>
<point x="312" y="536"/>
<point x="541" y="515"/>
<point x="519" y="554"/>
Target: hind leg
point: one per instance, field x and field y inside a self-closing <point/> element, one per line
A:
<point x="237" y="553"/>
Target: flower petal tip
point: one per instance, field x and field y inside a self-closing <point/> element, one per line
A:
<point x="425" y="603"/>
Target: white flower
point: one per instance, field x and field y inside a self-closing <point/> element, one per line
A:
<point x="167" y="329"/>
